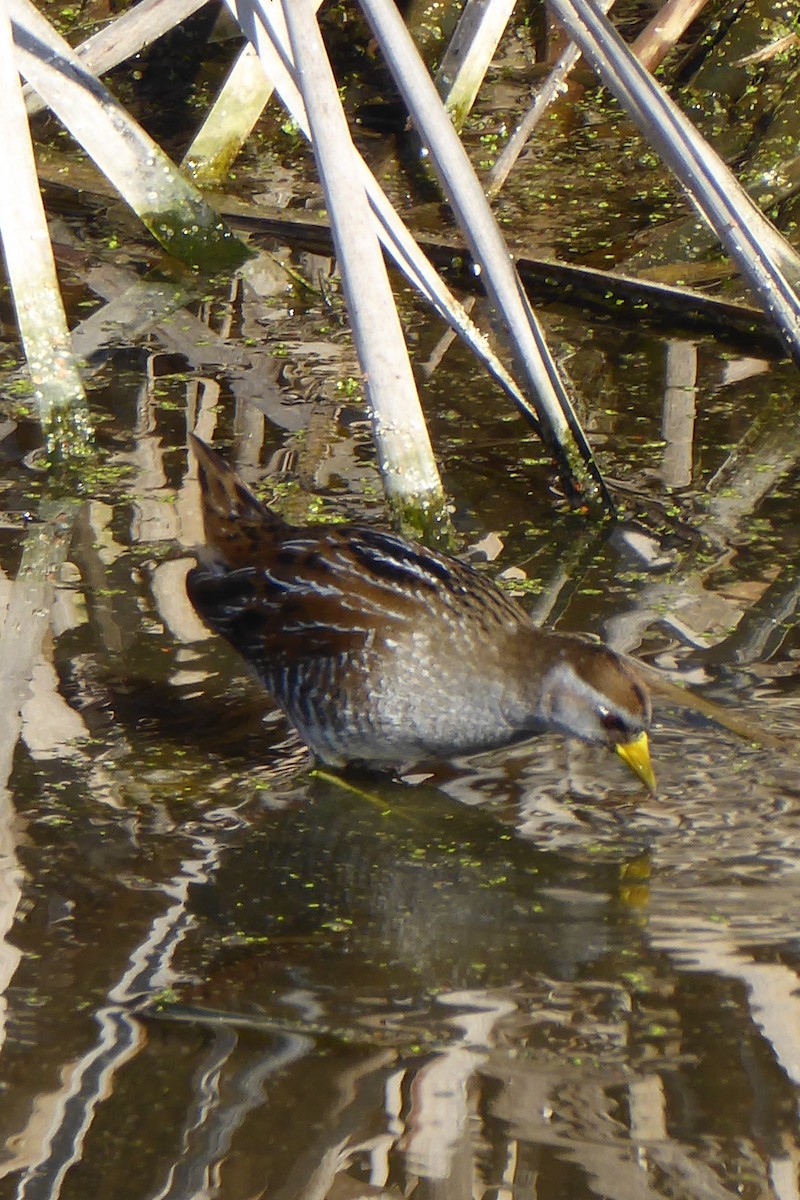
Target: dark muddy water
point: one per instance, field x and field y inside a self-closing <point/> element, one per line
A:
<point x="517" y="977"/>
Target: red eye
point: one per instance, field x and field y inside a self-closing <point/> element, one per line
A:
<point x="612" y="722"/>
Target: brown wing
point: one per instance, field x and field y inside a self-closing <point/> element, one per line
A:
<point x="332" y="592"/>
<point x="283" y="595"/>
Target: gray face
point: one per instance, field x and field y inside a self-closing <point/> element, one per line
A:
<point x="605" y="704"/>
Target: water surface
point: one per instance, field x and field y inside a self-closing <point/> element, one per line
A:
<point x="519" y="976"/>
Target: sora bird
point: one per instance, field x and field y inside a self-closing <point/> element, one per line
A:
<point x="384" y="653"/>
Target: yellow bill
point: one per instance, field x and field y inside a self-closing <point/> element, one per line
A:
<point x="637" y="756"/>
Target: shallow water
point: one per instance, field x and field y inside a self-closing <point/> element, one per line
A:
<point x="517" y="976"/>
<point x="521" y="974"/>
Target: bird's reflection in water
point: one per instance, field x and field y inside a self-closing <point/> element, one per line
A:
<point x="446" y="893"/>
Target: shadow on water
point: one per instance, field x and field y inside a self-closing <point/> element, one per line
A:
<point x="401" y="877"/>
<point x="518" y="977"/>
<point x="380" y="987"/>
<point x="522" y="974"/>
